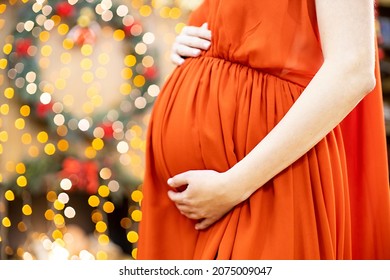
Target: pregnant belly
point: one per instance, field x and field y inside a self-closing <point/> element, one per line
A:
<point x="211" y="113"/>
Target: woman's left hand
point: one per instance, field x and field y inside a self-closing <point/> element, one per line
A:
<point x="209" y="195"/>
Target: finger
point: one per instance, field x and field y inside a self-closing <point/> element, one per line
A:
<point x="191" y="216"/>
<point x="177" y="59"/>
<point x="205" y="223"/>
<point x="185" y="51"/>
<point x="193" y="42"/>
<point x="201" y="32"/>
<point x="179" y="180"/>
<point x="176" y="197"/>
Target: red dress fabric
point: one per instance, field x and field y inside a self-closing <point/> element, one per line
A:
<point x="332" y="203"/>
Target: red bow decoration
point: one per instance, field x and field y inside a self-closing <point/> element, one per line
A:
<point x="82" y="174"/>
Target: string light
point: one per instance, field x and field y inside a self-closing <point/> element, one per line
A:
<point x="117" y="135"/>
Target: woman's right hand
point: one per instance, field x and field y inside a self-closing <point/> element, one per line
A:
<point x="191" y="41"/>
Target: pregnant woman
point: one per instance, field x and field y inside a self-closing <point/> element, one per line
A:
<point x="270" y="142"/>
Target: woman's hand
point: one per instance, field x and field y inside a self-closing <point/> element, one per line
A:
<point x="209" y="195"/>
<point x="190" y="43"/>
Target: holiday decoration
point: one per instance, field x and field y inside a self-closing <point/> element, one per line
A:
<point x="94" y="153"/>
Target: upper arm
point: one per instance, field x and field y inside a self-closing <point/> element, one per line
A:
<point x="347" y="28"/>
<point x="347" y="33"/>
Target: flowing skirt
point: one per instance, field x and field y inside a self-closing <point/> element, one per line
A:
<point x="209" y="115"/>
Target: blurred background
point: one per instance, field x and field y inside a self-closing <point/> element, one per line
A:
<point x="77" y="81"/>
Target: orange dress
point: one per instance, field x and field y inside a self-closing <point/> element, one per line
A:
<point x="332" y="203"/>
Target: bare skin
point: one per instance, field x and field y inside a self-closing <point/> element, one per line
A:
<point x="346" y="76"/>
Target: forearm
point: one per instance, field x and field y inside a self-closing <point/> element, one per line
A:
<point x="331" y="95"/>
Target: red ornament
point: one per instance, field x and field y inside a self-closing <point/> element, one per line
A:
<point x="150" y="72"/>
<point x="64" y="9"/>
<point x="43" y="109"/>
<point x="132" y="29"/>
<point x="82" y="174"/>
<point x="82" y="35"/>
<point x="108" y="130"/>
<point x="22" y="46"/>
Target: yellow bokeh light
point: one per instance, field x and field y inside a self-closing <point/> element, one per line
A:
<point x="87" y="49"/>
<point x="44" y="36"/>
<point x="27" y="210"/>
<point x="90" y="152"/>
<point x="57" y="234"/>
<point x="134" y="253"/>
<point x="101" y="226"/>
<point x="51" y="196"/>
<point x="86" y="64"/>
<point x="145" y="10"/>
<point x="66" y="58"/>
<point x="67" y="44"/>
<point x="25" y="110"/>
<point x="87" y="77"/>
<point x="7" y="49"/>
<point x="3" y="63"/>
<point x="58" y="205"/>
<point x="20" y="123"/>
<point x="4" y="109"/>
<point x="46" y="50"/>
<point x="125" y="89"/>
<point x="9" y="93"/>
<point x="164" y="12"/>
<point x="97" y="144"/>
<point x="3" y="7"/>
<point x="119" y="35"/>
<point x="50" y="149"/>
<point x="49" y="215"/>
<point x="59" y="220"/>
<point x="137" y="196"/>
<point x="132" y="236"/>
<point x="63" y="29"/>
<point x="108" y="207"/>
<point x="6" y="222"/>
<point x="3" y="136"/>
<point x="26" y="138"/>
<point x="103" y="191"/>
<point x="175" y="13"/>
<point x="9" y="195"/>
<point x="136" y="215"/>
<point x="127" y="73"/>
<point x="20" y="168"/>
<point x="42" y="137"/>
<point x="33" y="151"/>
<point x="96" y="216"/>
<point x="60" y="83"/>
<point x="93" y="201"/>
<point x="101" y="255"/>
<point x="130" y="60"/>
<point x="179" y="27"/>
<point x="63" y="145"/>
<point x="139" y="80"/>
<point x="21" y="181"/>
<point x="55" y="18"/>
<point x="104" y="58"/>
<point x="103" y="239"/>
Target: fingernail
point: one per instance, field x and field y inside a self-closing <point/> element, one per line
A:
<point x="196" y="52"/>
<point x="170" y="181"/>
<point x="206" y="45"/>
